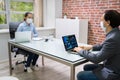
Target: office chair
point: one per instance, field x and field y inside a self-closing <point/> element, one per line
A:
<point x="12" y="29"/>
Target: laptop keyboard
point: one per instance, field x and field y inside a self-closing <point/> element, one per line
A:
<point x="72" y="52"/>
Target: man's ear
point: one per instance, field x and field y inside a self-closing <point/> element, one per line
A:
<point x="108" y="23"/>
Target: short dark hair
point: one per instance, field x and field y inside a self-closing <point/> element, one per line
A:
<point x="113" y="16"/>
<point x="26" y="14"/>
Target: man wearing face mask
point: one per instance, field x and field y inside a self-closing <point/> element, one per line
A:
<point x="109" y="51"/>
<point x="27" y="25"/>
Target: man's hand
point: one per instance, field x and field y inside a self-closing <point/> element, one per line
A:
<point x="87" y="47"/>
<point x="77" y="49"/>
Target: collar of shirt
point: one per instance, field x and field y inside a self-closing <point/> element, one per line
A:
<point x="113" y="30"/>
<point x="26" y="24"/>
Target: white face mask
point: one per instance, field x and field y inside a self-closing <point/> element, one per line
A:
<point x="29" y="20"/>
<point x="102" y="26"/>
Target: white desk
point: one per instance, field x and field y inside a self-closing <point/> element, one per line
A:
<point x="53" y="49"/>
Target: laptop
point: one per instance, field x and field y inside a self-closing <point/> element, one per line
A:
<point x="70" y="43"/>
<point x="23" y="36"/>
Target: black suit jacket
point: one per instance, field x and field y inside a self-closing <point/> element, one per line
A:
<point x="110" y="55"/>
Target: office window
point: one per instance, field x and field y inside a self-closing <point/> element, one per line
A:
<point x="18" y="8"/>
<point x="2" y="12"/>
<point x="14" y="10"/>
<point x="2" y="19"/>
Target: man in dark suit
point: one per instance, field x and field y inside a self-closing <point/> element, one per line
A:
<point x="109" y="51"/>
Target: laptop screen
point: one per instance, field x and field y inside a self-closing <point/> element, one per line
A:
<point x="69" y="42"/>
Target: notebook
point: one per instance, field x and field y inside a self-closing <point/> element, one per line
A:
<point x="70" y="42"/>
<point x="23" y="36"/>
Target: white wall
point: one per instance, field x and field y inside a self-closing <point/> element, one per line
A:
<point x="52" y="9"/>
<point x="67" y="27"/>
<point x="83" y="31"/>
<point x="49" y="13"/>
<point x="58" y="8"/>
<point x="72" y="26"/>
<point x="4" y="46"/>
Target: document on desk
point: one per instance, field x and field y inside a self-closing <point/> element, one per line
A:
<point x="37" y="38"/>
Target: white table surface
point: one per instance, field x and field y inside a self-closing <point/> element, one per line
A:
<point x="54" y="47"/>
<point x="8" y="78"/>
